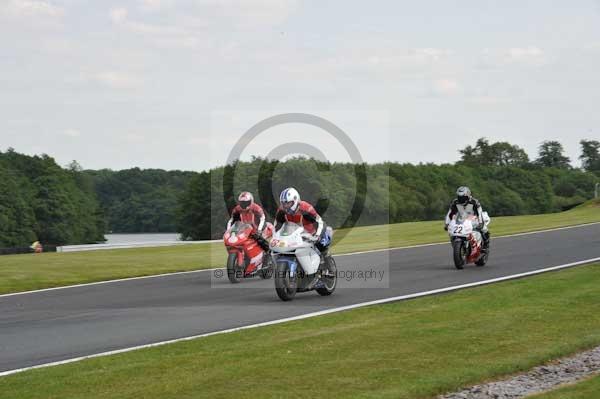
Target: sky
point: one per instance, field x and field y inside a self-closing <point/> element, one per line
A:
<point x="175" y="84"/>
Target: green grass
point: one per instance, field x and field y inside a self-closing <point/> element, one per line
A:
<point x="415" y="233"/>
<point x="30" y="272"/>
<point x="411" y="349"/>
<point x="587" y="389"/>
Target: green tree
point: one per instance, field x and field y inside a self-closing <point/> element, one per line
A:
<point x="17" y="221"/>
<point x="139" y="200"/>
<point x="590" y="155"/>
<point x="551" y="155"/>
<point x="194" y="211"/>
<point x="57" y="204"/>
<point x="496" y="154"/>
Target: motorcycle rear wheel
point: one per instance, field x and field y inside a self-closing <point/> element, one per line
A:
<point x="460" y="253"/>
<point x="234" y="272"/>
<point x="483" y="260"/>
<point x="285" y="286"/>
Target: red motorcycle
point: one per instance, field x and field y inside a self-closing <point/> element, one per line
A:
<point x="246" y="256"/>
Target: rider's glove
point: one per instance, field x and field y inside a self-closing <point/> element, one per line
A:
<point x="255" y="235"/>
<point x="446" y="227"/>
<point x="312" y="238"/>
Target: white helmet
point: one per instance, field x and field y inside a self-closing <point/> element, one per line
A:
<point x="463" y="195"/>
<point x="289" y="200"/>
<point x="245" y="200"/>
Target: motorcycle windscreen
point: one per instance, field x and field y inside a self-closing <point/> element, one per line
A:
<point x="239" y="227"/>
<point x="288" y="229"/>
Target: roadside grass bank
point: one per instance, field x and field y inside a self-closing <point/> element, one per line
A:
<point x="36" y="271"/>
<point x="416" y="233"/>
<point x="586" y="389"/>
<point x="411" y="349"/>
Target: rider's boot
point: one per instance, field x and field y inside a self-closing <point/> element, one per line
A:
<point x="486" y="241"/>
<point x="324" y="266"/>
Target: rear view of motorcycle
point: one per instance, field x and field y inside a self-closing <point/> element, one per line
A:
<point x="467" y="241"/>
<point x="298" y="264"/>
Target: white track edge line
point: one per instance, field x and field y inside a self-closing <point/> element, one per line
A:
<point x="308" y="315"/>
<point x="221" y="268"/>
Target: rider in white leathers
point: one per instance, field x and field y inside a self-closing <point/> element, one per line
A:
<point x="465" y="205"/>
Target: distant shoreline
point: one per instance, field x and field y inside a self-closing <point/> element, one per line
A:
<point x="124" y="238"/>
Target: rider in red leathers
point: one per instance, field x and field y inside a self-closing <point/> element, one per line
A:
<point x="248" y="211"/>
<point x="292" y="209"/>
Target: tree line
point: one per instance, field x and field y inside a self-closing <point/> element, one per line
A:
<point x="500" y="174"/>
<point x="39" y="200"/>
<point x="139" y="201"/>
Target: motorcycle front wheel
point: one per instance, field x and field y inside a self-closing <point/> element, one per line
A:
<point x="460" y="253"/>
<point x="330" y="280"/>
<point x="285" y="286"/>
<point x="234" y="272"/>
<point x="267" y="271"/>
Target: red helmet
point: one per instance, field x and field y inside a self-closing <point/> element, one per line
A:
<point x="245" y="199"/>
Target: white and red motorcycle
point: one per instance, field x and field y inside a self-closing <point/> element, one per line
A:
<point x="298" y="265"/>
<point x="467" y="240"/>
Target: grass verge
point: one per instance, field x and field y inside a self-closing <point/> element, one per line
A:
<point x="411" y="349"/>
<point x="587" y="389"/>
<point x="30" y="272"/>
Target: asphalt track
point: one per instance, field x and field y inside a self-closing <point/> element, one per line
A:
<point x="50" y="326"/>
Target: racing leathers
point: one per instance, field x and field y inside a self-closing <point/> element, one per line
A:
<point x="472" y="207"/>
<point x="306" y="216"/>
<point x="253" y="214"/>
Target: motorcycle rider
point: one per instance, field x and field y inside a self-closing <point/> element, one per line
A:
<point x="249" y="211"/>
<point x="293" y="209"/>
<point x="466" y="205"/>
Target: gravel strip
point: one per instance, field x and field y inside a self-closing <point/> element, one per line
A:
<point x="540" y="379"/>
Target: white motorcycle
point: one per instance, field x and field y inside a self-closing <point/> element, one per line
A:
<point x="467" y="240"/>
<point x="298" y="263"/>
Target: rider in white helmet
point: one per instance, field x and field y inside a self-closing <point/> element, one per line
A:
<point x="293" y="209"/>
<point x="465" y="205"/>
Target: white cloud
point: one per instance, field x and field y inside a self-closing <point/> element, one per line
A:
<point x="446" y="86"/>
<point x="152" y="5"/>
<point x="187" y="29"/>
<point x="199" y="141"/>
<point x="527" y="56"/>
<point x="117" y="80"/>
<point x="118" y="14"/>
<point x="177" y="35"/>
<point x="31" y="8"/>
<point x="72" y="133"/>
<point x="250" y="13"/>
<point x="432" y="54"/>
<point x="518" y="53"/>
<point x="134" y="137"/>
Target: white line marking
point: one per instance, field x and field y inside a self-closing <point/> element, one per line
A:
<point x="493" y="237"/>
<point x="107" y="282"/>
<point x="308" y="315"/>
<point x="336" y="255"/>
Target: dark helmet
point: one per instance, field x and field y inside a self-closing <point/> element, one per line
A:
<point x="245" y="199"/>
<point x="463" y="195"/>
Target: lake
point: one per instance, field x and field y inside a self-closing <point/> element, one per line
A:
<point x="141" y="237"/>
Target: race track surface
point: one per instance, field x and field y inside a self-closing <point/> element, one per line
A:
<point x="43" y="327"/>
